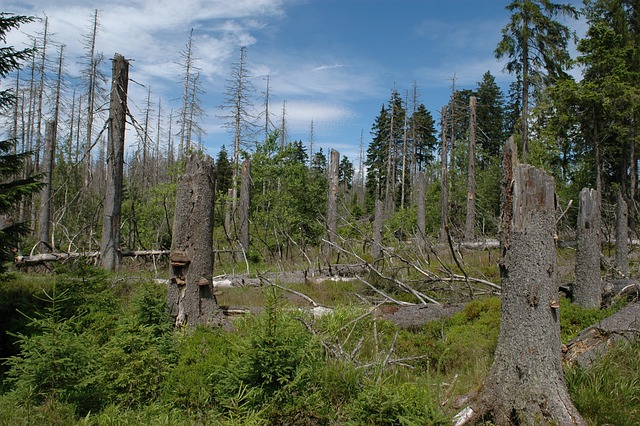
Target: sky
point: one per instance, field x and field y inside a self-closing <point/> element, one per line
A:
<point x="330" y="62"/>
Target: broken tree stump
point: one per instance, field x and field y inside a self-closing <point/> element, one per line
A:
<point x="526" y="384"/>
<point x="587" y="291"/>
<point x="190" y="297"/>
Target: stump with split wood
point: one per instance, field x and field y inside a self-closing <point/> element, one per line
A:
<point x="526" y="385"/>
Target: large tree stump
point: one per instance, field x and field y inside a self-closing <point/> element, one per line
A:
<point x="622" y="237"/>
<point x="190" y="297"/>
<point x="526" y="385"/>
<point x="587" y="291"/>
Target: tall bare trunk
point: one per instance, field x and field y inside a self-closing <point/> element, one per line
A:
<point x="444" y="181"/>
<point x="110" y="247"/>
<point x="622" y="237"/>
<point x="469" y="233"/>
<point x="44" y="220"/>
<point x="332" y="204"/>
<point x="245" y="204"/>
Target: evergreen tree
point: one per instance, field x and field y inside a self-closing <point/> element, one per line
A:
<point x="537" y="48"/>
<point x="12" y="188"/>
<point x="425" y="142"/>
<point x="490" y="117"/>
<point x="224" y="171"/>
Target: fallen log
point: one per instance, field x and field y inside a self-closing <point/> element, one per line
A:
<point x="40" y="258"/>
<point x="592" y="342"/>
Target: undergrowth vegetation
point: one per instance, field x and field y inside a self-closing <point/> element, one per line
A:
<point x="99" y="350"/>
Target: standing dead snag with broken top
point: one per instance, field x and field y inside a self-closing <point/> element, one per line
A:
<point x="526" y="385"/>
<point x="190" y="296"/>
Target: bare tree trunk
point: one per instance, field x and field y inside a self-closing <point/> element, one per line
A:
<point x="622" y="237"/>
<point x="190" y="294"/>
<point x="587" y="290"/>
<point x="44" y="220"/>
<point x="444" y="185"/>
<point x="110" y="248"/>
<point x="469" y="233"/>
<point x="421" y="189"/>
<point x="525" y="385"/>
<point x="245" y="204"/>
<point x="378" y="220"/>
<point x="332" y="204"/>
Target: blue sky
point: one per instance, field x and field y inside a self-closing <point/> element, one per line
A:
<point x="332" y="61"/>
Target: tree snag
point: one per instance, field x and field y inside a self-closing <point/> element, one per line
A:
<point x="525" y="385"/>
<point x="110" y="247"/>
<point x="622" y="237"/>
<point x="332" y="202"/>
<point x="245" y="204"/>
<point x="190" y="296"/>
<point x="587" y="291"/>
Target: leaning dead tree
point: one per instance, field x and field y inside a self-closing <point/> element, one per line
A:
<point x="526" y="385"/>
<point x="190" y="295"/>
<point x="587" y="290"/>
<point x="110" y="247"/>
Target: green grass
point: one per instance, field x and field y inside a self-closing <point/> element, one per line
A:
<point x="278" y="367"/>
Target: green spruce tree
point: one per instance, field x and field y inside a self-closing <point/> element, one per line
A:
<point x="13" y="188"/>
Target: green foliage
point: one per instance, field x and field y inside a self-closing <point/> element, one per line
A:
<point x="56" y="362"/>
<point x="609" y="391"/>
<point x="575" y="318"/>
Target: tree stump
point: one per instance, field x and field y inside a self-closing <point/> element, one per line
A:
<point x="378" y="221"/>
<point x="190" y="296"/>
<point x="526" y="385"/>
<point x="587" y="291"/>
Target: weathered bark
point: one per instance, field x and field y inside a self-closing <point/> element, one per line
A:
<point x="190" y="296"/>
<point x="332" y="203"/>
<point x="44" y="220"/>
<point x="469" y="233"/>
<point x="245" y="204"/>
<point x="622" y="237"/>
<point x="110" y="247"/>
<point x="444" y="185"/>
<point x="587" y="291"/>
<point x="378" y="219"/>
<point x="595" y="340"/>
<point x="526" y="385"/>
<point x="421" y="189"/>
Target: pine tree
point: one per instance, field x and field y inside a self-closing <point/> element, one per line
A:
<point x="12" y="189"/>
<point x="537" y="47"/>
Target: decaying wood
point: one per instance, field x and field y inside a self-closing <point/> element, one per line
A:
<point x="110" y="245"/>
<point x="595" y="340"/>
<point x="190" y="297"/>
<point x="526" y="384"/>
<point x="587" y="289"/>
<point x="40" y="258"/>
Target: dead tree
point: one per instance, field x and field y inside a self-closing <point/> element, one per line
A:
<point x="378" y="219"/>
<point x="421" y="189"/>
<point x="110" y="246"/>
<point x="469" y="234"/>
<point x="190" y="295"/>
<point x="44" y="220"/>
<point x="245" y="204"/>
<point x="587" y="290"/>
<point x="622" y="237"/>
<point x="444" y="185"/>
<point x="332" y="204"/>
<point x="526" y="385"/>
